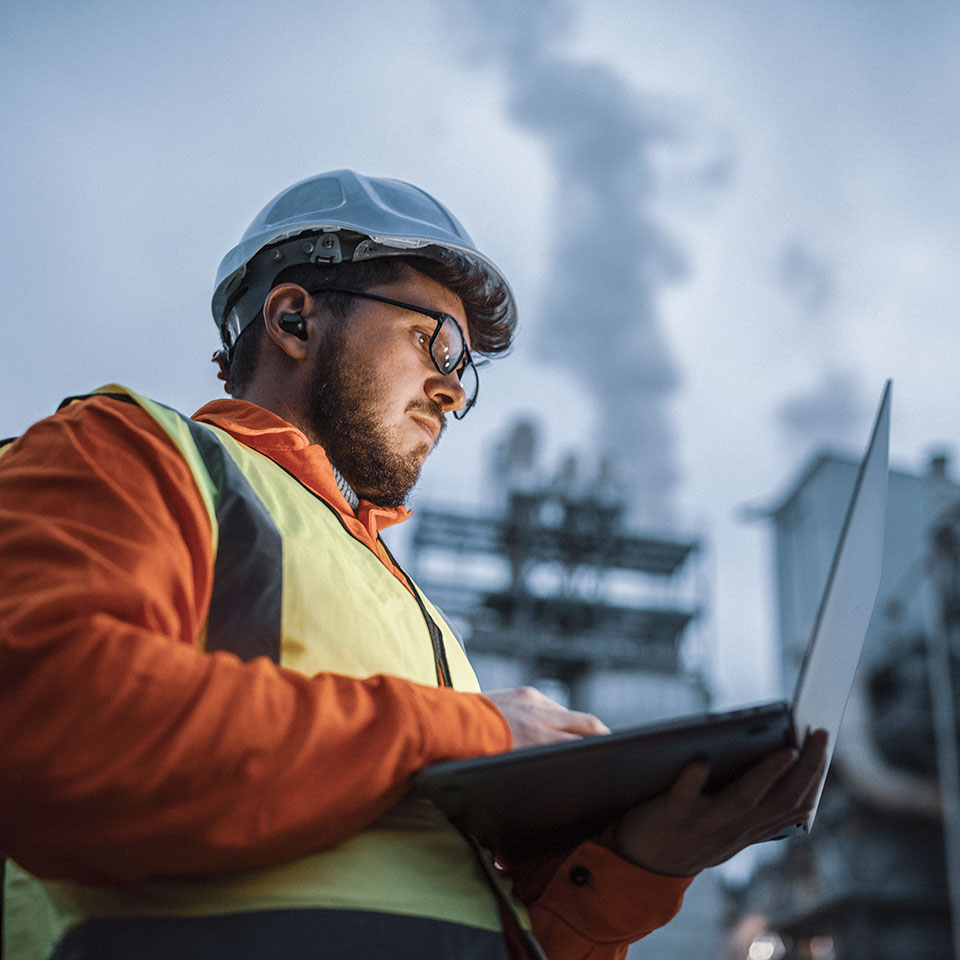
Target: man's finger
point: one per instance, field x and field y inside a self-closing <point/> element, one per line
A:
<point x="797" y="789"/>
<point x="535" y="719"/>
<point x="811" y="766"/>
<point x="585" y="724"/>
<point x="554" y="735"/>
<point x="691" y="781"/>
<point x="749" y="789"/>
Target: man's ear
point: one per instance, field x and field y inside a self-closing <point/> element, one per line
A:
<point x="287" y="315"/>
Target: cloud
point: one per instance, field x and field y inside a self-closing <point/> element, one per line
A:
<point x="833" y="411"/>
<point x="808" y="278"/>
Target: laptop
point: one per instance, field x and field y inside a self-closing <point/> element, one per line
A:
<point x="546" y="799"/>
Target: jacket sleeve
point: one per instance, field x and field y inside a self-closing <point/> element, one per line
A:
<point x="125" y="751"/>
<point x="592" y="904"/>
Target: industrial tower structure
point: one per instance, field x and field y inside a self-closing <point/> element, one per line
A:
<point x="551" y="587"/>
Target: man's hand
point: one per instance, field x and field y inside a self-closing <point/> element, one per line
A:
<point x="535" y="719"/>
<point x="684" y="830"/>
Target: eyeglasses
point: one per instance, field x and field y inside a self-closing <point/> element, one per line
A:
<point x="448" y="346"/>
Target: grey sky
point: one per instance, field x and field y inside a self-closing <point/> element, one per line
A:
<point x="139" y="140"/>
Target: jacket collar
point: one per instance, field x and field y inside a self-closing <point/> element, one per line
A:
<point x="264" y="431"/>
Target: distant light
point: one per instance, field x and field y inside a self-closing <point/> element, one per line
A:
<point x="767" y="947"/>
<point x="821" y="948"/>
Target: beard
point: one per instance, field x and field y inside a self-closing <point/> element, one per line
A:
<point x="343" y="410"/>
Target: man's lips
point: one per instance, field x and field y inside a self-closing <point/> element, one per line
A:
<point x="429" y="424"/>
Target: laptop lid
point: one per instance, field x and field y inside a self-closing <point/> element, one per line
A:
<point x="831" y="658"/>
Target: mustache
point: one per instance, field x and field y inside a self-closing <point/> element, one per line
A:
<point x="432" y="409"/>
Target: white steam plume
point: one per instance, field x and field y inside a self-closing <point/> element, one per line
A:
<point x="609" y="259"/>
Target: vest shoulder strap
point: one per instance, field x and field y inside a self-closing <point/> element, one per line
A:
<point x="246" y="542"/>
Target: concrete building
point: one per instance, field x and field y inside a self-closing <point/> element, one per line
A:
<point x="871" y="882"/>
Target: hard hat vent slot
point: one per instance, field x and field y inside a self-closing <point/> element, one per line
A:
<point x="405" y="200"/>
<point x="315" y="196"/>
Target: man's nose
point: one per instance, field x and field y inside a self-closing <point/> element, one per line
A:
<point x="447" y="391"/>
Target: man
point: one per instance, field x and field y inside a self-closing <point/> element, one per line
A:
<point x="216" y="681"/>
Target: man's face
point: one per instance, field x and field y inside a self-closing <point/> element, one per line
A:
<point x="377" y="403"/>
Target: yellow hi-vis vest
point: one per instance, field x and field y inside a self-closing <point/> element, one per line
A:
<point x="291" y="583"/>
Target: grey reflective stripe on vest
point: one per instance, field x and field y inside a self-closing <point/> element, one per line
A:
<point x="247" y="600"/>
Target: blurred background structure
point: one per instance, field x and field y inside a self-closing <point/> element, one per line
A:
<point x="554" y="589"/>
<point x="877" y="879"/>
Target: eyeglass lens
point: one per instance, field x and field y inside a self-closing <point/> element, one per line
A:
<point x="447" y="346"/>
<point x="447" y="349"/>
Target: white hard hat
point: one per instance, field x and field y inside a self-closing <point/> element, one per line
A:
<point x="331" y="218"/>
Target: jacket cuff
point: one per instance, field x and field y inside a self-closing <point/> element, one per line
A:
<point x="606" y="899"/>
<point x="457" y="725"/>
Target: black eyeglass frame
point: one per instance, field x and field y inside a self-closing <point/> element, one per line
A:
<point x="463" y="361"/>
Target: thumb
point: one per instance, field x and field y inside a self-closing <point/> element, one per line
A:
<point x="691" y="781"/>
